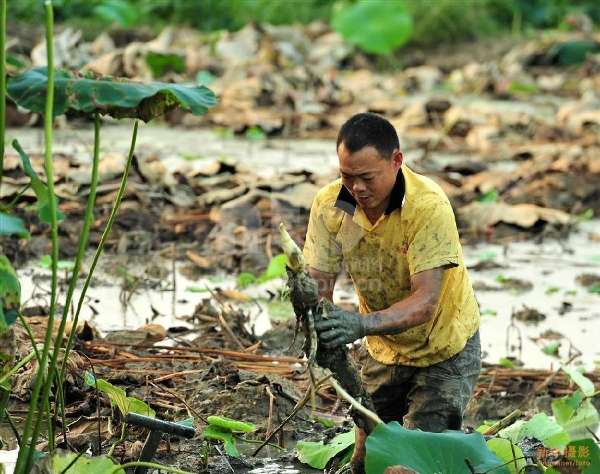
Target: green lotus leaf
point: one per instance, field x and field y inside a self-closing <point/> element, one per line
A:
<point x="118" y="98"/>
<point x="318" y="454"/>
<point x="230" y="424"/>
<point x="391" y="445"/>
<point x="221" y="434"/>
<point x="375" y="26"/>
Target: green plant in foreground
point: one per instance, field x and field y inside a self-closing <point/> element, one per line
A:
<point x="446" y="452"/>
<point x="38" y="91"/>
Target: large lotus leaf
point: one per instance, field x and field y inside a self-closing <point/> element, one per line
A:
<point x="83" y="465"/>
<point x="107" y="96"/>
<point x="375" y="26"/>
<point x="541" y="427"/>
<point x="318" y="454"/>
<point x="391" y="445"/>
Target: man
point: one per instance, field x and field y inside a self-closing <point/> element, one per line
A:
<point x="396" y="233"/>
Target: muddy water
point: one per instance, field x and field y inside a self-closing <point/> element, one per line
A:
<point x="570" y="310"/>
<point x="551" y="267"/>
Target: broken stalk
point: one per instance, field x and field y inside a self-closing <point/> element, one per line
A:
<point x="304" y="295"/>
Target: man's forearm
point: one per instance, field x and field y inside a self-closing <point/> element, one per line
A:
<point x="417" y="309"/>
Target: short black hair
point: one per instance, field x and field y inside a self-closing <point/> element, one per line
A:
<point x="368" y="129"/>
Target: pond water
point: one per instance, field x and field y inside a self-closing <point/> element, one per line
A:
<point x="570" y="311"/>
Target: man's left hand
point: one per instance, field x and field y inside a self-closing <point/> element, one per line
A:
<point x="339" y="328"/>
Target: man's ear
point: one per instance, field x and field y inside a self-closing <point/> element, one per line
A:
<point x="397" y="158"/>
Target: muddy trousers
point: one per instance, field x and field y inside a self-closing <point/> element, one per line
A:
<point x="430" y="398"/>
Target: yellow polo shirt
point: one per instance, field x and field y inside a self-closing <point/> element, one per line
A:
<point x="416" y="233"/>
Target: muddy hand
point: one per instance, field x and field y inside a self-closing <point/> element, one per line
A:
<point x="339" y="328"/>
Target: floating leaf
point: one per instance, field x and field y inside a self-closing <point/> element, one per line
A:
<point x="490" y="196"/>
<point x="506" y="362"/>
<point x="11" y="225"/>
<point x="318" y="454"/>
<point x="255" y="133"/>
<point x="230" y="424"/>
<point x="517" y="87"/>
<point x="585" y="384"/>
<point x="39" y="187"/>
<point x="551" y="348"/>
<point x="504" y="449"/>
<point x="83" y="465"/>
<point x="214" y="432"/>
<point x="489" y="312"/>
<point x="375" y="26"/>
<point x="107" y="96"/>
<point x="391" y="444"/>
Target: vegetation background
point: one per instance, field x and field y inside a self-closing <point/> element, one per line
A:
<point x="435" y="21"/>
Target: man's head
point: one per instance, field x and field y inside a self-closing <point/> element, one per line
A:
<point x="369" y="156"/>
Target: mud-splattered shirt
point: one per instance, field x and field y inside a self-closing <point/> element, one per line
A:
<point x="416" y="234"/>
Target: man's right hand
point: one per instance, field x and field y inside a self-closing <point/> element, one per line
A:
<point x="339" y="327"/>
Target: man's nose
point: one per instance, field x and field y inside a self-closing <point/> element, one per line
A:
<point x="358" y="186"/>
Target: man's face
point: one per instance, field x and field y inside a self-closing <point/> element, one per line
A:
<point x="369" y="177"/>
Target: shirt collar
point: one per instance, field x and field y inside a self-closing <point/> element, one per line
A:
<point x="347" y="203"/>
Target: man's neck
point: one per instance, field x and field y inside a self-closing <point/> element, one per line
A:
<point x="374" y="214"/>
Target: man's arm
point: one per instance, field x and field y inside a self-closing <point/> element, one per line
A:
<point x="326" y="282"/>
<point x="417" y="309"/>
<point x="343" y="327"/>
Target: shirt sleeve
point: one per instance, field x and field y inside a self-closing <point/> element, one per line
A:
<point x="434" y="240"/>
<point x="321" y="249"/>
